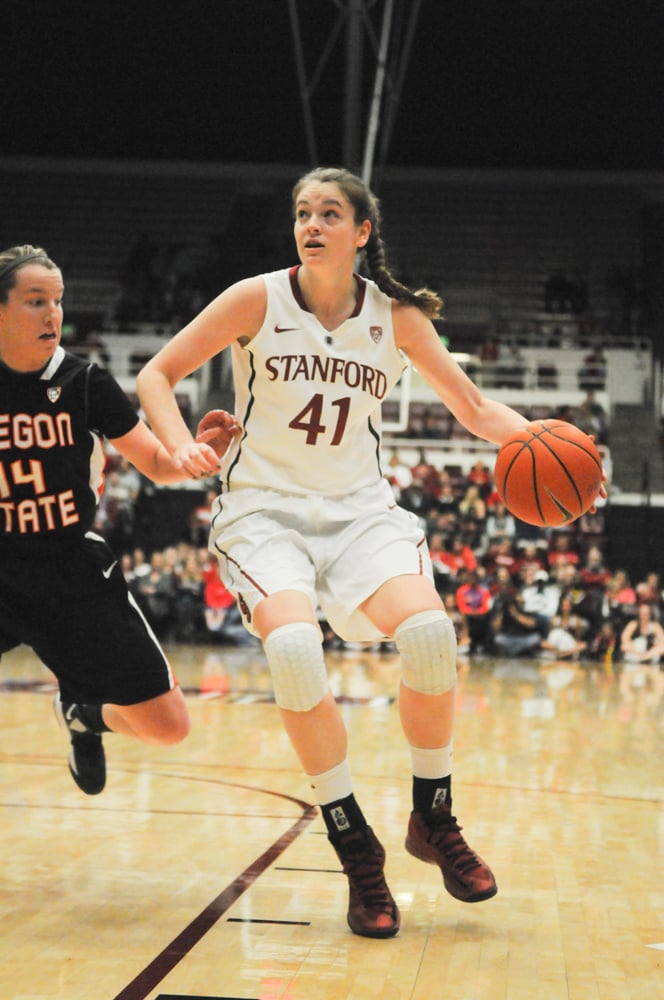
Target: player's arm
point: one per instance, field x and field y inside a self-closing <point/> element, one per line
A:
<point x="657" y="649"/>
<point x="416" y="336"/>
<point x="626" y="637"/>
<point x="142" y="448"/>
<point x="235" y="315"/>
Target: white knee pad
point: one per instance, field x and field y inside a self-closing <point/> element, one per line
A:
<point x="295" y="657"/>
<point x="428" y="647"/>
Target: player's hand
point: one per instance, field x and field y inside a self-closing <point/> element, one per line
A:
<point x="218" y="429"/>
<point x="197" y="459"/>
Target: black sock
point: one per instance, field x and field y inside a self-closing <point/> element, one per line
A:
<point x="341" y="816"/>
<point x="431" y="792"/>
<point x="91" y="717"/>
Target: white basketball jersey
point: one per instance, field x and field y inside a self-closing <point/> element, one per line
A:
<point x="309" y="399"/>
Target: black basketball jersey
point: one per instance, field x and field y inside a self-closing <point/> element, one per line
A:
<point x="51" y="458"/>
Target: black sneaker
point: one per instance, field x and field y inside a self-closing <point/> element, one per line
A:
<point x="87" y="761"/>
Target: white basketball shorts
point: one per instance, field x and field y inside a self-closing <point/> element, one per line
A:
<point x="336" y="550"/>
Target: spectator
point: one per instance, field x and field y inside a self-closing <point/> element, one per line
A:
<point x="155" y="593"/>
<point x="515" y="633"/>
<point x="500" y="524"/>
<point x="471" y="504"/>
<point x="459" y="557"/>
<point x="594" y="576"/>
<point x="530" y="556"/>
<point x="650" y="591"/>
<point x="562" y="551"/>
<point x="502" y="554"/>
<point x="222" y="615"/>
<point x="619" y="604"/>
<point x="501" y="585"/>
<point x="480" y="476"/>
<point x="541" y="597"/>
<point x="199" y="522"/>
<point x="642" y="638"/>
<point x="473" y="599"/>
<point x="489" y="350"/>
<point x="140" y="565"/>
<point x="642" y="647"/>
<point x="565" y="639"/>
<point x="415" y="498"/>
<point x="189" y="601"/>
<point x="602" y="644"/>
<point x="441" y="569"/>
<point x="447" y="500"/>
<point x="590" y="417"/>
<point x="458" y="621"/>
<point x="592" y="374"/>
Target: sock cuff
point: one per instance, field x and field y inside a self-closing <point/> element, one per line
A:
<point x="431" y="763"/>
<point x="332" y="785"/>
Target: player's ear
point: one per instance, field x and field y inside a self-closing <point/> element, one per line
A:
<point x="363" y="234"/>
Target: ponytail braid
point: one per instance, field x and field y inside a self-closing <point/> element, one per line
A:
<point x="428" y="301"/>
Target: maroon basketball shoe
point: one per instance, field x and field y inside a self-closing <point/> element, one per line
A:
<point x="438" y="841"/>
<point x="372" y="911"/>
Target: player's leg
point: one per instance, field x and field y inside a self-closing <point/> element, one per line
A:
<point x="410" y="610"/>
<point x="114" y="676"/>
<point x="162" y="721"/>
<point x="293" y="646"/>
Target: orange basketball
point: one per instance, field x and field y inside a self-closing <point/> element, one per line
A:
<point x="549" y="473"/>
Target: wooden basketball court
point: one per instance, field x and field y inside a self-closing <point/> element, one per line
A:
<point x="203" y="870"/>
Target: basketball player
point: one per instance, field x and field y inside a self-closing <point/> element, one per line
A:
<point x="62" y="591"/>
<point x="305" y="517"/>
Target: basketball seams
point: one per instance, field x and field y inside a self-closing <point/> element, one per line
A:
<point x="541" y="486"/>
<point x="539" y="436"/>
<point x="525" y="447"/>
<point x="565" y="469"/>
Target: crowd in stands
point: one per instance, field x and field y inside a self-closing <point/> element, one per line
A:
<point x="511" y="589"/>
<point x="434" y="422"/>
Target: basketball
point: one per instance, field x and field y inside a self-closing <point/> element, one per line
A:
<point x="549" y="473"/>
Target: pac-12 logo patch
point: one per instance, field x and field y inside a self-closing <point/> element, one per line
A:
<point x="376" y="333"/>
<point x="53" y="394"/>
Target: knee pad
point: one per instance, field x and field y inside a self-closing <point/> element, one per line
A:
<point x="295" y="657"/>
<point x="428" y="647"/>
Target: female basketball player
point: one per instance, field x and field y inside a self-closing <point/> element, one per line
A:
<point x="62" y="591"/>
<point x="306" y="519"/>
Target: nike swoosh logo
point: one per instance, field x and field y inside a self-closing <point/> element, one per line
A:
<point x="107" y="572"/>
<point x="283" y="329"/>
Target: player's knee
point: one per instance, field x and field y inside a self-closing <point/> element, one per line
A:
<point x="427" y="645"/>
<point x="164" y="721"/>
<point x="295" y="657"/>
<point x="175" y="731"/>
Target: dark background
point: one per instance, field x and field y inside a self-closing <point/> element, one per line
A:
<point x="490" y="83"/>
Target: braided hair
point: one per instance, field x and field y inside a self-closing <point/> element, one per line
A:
<point x="14" y="258"/>
<point x="366" y="206"/>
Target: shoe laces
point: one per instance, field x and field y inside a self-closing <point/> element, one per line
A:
<point x="445" y="836"/>
<point x="363" y="858"/>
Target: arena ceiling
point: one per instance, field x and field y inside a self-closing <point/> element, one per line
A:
<point x="572" y="84"/>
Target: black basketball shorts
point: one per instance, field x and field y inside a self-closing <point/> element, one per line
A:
<point x="71" y="604"/>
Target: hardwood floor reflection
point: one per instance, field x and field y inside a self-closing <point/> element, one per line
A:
<point x="203" y="870"/>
